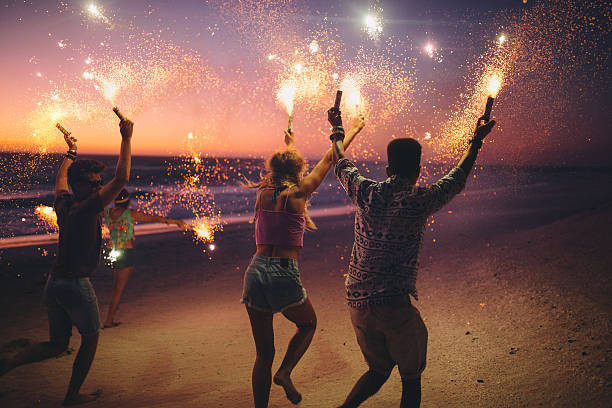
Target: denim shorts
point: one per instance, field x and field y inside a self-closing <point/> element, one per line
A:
<point x="71" y="301"/>
<point x="272" y="284"/>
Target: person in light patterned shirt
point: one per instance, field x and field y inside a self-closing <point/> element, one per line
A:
<point x="390" y="221"/>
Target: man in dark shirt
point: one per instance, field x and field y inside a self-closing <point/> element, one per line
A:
<point x="69" y="296"/>
<point x="390" y="219"/>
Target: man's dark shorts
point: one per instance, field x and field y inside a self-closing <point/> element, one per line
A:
<point x="71" y="301"/>
<point x="392" y="334"/>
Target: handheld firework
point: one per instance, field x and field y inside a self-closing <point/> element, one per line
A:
<point x="290" y="123"/>
<point x="62" y="129"/>
<point x="494" y="85"/>
<point x="338" y="98"/>
<point x="118" y="113"/>
<point x="336" y="121"/>
<point x="488" y="108"/>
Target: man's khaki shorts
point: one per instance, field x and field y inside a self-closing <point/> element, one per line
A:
<point x="390" y="335"/>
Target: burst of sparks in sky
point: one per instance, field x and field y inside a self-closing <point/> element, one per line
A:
<point x="373" y="25"/>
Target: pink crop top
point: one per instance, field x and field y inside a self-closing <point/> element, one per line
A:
<point x="278" y="227"/>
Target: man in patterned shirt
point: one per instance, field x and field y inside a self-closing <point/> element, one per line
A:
<point x="390" y="221"/>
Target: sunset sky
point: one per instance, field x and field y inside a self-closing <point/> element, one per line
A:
<point x="205" y="75"/>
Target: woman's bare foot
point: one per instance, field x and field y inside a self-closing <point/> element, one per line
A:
<point x="285" y="381"/>
<point x="79" y="399"/>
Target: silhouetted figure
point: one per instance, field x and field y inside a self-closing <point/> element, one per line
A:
<point x="69" y="295"/>
<point x="272" y="281"/>
<point x="390" y="220"/>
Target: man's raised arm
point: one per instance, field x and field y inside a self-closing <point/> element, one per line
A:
<point x="482" y="130"/>
<point x="61" y="180"/>
<point x="122" y="173"/>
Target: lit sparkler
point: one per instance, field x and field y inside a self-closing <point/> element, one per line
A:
<point x="286" y="95"/>
<point x="493" y="87"/>
<point x="47" y="215"/>
<point x="353" y="94"/>
<point x="204" y="230"/>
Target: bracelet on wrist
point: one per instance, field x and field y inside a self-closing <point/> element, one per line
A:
<point x="71" y="154"/>
<point x="336" y="136"/>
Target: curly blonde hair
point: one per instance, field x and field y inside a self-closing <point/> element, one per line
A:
<point x="284" y="168"/>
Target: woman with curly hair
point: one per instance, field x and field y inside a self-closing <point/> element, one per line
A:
<point x="272" y="280"/>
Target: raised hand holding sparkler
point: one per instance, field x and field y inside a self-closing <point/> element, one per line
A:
<point x="118" y="113"/>
<point x="70" y="140"/>
<point x="289" y="138"/>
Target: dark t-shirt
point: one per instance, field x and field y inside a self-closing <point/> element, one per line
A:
<point x="80" y="235"/>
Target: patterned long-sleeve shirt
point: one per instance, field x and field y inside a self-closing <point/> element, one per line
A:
<point x="390" y="220"/>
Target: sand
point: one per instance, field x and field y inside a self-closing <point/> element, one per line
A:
<point x="518" y="316"/>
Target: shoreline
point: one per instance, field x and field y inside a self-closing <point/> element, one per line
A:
<point x="158" y="228"/>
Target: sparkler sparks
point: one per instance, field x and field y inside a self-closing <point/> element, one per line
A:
<point x="429" y="49"/>
<point x="494" y="84"/>
<point x="286" y="95"/>
<point x="204" y="230"/>
<point x="47" y="216"/>
<point x="92" y="9"/>
<point x="350" y="88"/>
<point x="314" y="46"/>
<point x="373" y="25"/>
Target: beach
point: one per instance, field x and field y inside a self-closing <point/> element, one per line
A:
<point x="516" y="299"/>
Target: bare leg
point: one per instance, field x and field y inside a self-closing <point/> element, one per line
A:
<point x="411" y="393"/>
<point x="120" y="279"/>
<point x="366" y="386"/>
<point x="305" y="319"/>
<point x="263" y="334"/>
<point x="35" y="352"/>
<point x="80" y="368"/>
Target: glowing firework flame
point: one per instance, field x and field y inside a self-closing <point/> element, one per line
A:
<point x="95" y="12"/>
<point x="47" y="215"/>
<point x="350" y="88"/>
<point x="373" y="25"/>
<point x="204" y="230"/>
<point x="314" y="46"/>
<point x="112" y="256"/>
<point x="494" y="84"/>
<point x="286" y="95"/>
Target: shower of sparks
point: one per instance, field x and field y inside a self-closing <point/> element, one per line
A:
<point x="286" y="95"/>
<point x="545" y="50"/>
<point x="373" y="25"/>
<point x="314" y="46"/>
<point x="429" y="50"/>
<point x="352" y="96"/>
<point x="494" y="84"/>
<point x="204" y="230"/>
<point x="92" y="9"/>
<point x="47" y="217"/>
